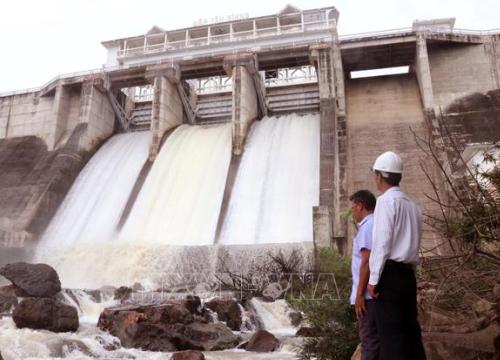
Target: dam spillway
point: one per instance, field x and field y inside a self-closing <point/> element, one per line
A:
<point x="277" y="183"/>
<point x="241" y="71"/>
<point x="255" y="131"/>
<point x="93" y="207"/>
<point x="180" y="200"/>
<point x="171" y="227"/>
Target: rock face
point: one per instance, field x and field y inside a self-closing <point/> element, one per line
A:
<point x="34" y="181"/>
<point x="467" y="346"/>
<point x="45" y="313"/>
<point x="228" y="311"/>
<point x="36" y="280"/>
<point x="262" y="341"/>
<point x="188" y="355"/>
<point x="166" y="327"/>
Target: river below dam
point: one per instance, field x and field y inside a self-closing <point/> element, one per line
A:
<point x="160" y="226"/>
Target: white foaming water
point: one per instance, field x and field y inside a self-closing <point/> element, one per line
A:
<point x="178" y="205"/>
<point x="180" y="201"/>
<point x="88" y="342"/>
<point x="88" y="308"/>
<point x="91" y="343"/>
<point x="277" y="183"/>
<point x="86" y="221"/>
<point x="92" y="208"/>
<point x="274" y="316"/>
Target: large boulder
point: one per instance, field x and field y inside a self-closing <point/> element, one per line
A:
<point x="295" y="318"/>
<point x="35" y="280"/>
<point x="7" y="302"/>
<point x="305" y="331"/>
<point x="169" y="326"/>
<point x="227" y="310"/>
<point x="45" y="313"/>
<point x="465" y="346"/>
<point x="122" y="293"/>
<point x="207" y="337"/>
<point x="12" y="290"/>
<point x="188" y="355"/>
<point x="262" y="341"/>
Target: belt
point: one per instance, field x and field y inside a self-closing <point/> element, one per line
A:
<point x="397" y="264"/>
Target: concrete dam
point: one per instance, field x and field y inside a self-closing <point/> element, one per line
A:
<point x="241" y="133"/>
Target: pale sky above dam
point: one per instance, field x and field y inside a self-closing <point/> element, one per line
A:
<point x="42" y="39"/>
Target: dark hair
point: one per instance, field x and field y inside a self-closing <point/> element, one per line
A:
<point x="364" y="197"/>
<point x="392" y="179"/>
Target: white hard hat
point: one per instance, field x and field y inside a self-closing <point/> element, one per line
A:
<point x="389" y="162"/>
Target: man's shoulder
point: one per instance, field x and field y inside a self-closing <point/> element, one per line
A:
<point x="365" y="229"/>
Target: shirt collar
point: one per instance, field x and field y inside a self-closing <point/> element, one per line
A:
<point x="365" y="219"/>
<point x="392" y="188"/>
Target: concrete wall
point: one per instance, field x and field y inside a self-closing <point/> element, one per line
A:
<point x="44" y="143"/>
<point x="458" y="70"/>
<point x="48" y="118"/>
<point x="96" y="111"/>
<point x="54" y="117"/>
<point x="245" y="106"/>
<point x="25" y="115"/>
<point x="380" y="112"/>
<point x="167" y="112"/>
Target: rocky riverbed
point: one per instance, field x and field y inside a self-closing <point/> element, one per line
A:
<point x="39" y="320"/>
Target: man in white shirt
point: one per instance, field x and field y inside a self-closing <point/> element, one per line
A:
<point x="363" y="204"/>
<point x="397" y="230"/>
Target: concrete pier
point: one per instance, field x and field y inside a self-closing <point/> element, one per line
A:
<point x="167" y="111"/>
<point x="245" y="107"/>
<point x="333" y="195"/>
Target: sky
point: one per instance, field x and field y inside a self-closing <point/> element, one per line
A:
<point x="42" y="39"/>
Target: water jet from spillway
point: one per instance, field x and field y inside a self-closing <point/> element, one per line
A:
<point x="277" y="183"/>
<point x="181" y="198"/>
<point x="92" y="208"/>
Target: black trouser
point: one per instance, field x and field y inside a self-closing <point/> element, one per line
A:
<point x="370" y="349"/>
<point x="396" y="313"/>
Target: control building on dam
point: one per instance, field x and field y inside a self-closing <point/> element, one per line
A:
<point x="239" y="72"/>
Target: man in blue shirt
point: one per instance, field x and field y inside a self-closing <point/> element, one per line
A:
<point x="363" y="205"/>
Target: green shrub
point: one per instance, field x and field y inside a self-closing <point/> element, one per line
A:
<point x="327" y="309"/>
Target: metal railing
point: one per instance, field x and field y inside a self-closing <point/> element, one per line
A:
<point x="223" y="38"/>
<point x="211" y="85"/>
<point x="407" y="30"/>
<point x="244" y="35"/>
<point x="290" y="76"/>
<point x="143" y="93"/>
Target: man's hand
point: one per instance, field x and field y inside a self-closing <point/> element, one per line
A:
<point x="371" y="291"/>
<point x="360" y="306"/>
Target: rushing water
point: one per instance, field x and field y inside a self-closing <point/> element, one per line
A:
<point x="180" y="201"/>
<point x="178" y="205"/>
<point x="277" y="183"/>
<point x="274" y="316"/>
<point x="92" y="208"/>
<point x="90" y="343"/>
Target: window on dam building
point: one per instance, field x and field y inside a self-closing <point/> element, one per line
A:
<point x="380" y="72"/>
